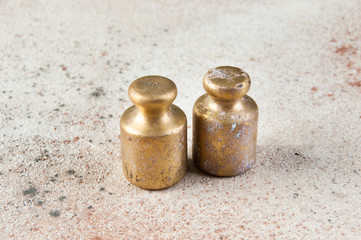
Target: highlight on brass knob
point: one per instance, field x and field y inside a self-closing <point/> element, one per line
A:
<point x="225" y="123"/>
<point x="153" y="135"/>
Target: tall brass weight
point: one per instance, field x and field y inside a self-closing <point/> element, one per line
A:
<point x="225" y="123"/>
<point x="153" y="135"/>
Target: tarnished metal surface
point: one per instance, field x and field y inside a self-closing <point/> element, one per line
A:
<point x="153" y="135"/>
<point x="225" y="123"/>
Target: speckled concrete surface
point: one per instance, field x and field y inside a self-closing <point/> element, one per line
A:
<point x="65" y="67"/>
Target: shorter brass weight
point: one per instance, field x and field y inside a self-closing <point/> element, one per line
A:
<point x="153" y="135"/>
<point x="225" y="123"/>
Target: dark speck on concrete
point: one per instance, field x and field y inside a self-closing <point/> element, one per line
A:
<point x="62" y="198"/>
<point x="98" y="92"/>
<point x="90" y="207"/>
<point x="295" y="195"/>
<point x="55" y="213"/>
<point x="297" y="154"/>
<point x="44" y="156"/>
<point x="39" y="203"/>
<point x="70" y="172"/>
<point x="101" y="189"/>
<point x="31" y="192"/>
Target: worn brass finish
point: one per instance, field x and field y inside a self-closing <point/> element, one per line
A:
<point x="153" y="135"/>
<point x="225" y="123"/>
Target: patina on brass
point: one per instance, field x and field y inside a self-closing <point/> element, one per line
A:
<point x="153" y="135"/>
<point x="225" y="123"/>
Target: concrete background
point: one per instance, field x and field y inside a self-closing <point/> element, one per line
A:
<point x="65" y="67"/>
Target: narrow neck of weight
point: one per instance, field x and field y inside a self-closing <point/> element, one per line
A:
<point x="153" y="114"/>
<point x="225" y="104"/>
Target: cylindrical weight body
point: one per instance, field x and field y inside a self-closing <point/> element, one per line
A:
<point x="154" y="161"/>
<point x="224" y="140"/>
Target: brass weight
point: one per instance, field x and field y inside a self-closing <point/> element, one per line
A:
<point x="153" y="135"/>
<point x="225" y="123"/>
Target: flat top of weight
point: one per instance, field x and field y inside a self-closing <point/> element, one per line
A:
<point x="226" y="82"/>
<point x="152" y="89"/>
<point x="226" y="76"/>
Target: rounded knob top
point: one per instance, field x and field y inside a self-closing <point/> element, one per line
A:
<point x="226" y="83"/>
<point x="152" y="92"/>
